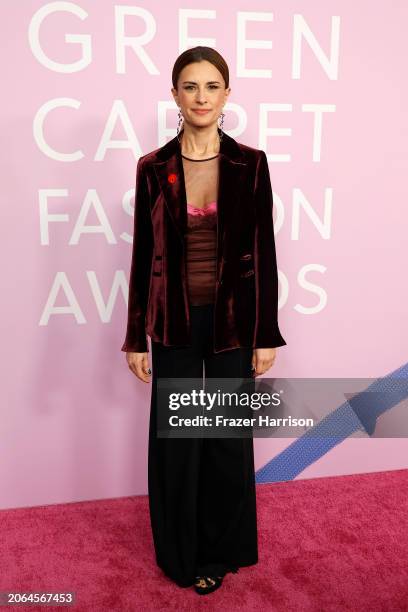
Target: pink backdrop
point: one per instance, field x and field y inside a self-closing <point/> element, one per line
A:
<point x="86" y="90"/>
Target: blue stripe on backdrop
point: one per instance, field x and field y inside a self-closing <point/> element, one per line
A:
<point x="357" y="414"/>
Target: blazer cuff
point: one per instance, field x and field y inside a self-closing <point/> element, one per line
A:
<point x="136" y="346"/>
<point x="271" y="340"/>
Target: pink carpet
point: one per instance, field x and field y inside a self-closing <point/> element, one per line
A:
<point x="326" y="545"/>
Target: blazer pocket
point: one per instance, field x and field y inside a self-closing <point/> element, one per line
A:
<point x="246" y="266"/>
<point x="157" y="265"/>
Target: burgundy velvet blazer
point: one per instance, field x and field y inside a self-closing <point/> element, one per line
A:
<point x="246" y="293"/>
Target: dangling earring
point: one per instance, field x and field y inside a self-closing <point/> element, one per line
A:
<point x="221" y="133"/>
<point x="180" y="120"/>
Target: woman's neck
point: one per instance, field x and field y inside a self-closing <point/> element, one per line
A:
<point x="198" y="144"/>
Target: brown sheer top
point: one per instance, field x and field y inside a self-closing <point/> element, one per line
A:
<point x="201" y="179"/>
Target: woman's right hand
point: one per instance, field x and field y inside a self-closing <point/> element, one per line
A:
<point x="139" y="364"/>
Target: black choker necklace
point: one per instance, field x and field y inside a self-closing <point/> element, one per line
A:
<point x="198" y="160"/>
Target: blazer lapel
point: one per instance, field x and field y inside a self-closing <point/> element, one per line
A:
<point x="232" y="173"/>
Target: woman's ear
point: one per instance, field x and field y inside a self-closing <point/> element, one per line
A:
<point x="175" y="96"/>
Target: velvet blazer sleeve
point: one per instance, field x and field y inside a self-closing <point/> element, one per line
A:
<point x="139" y="280"/>
<point x="267" y="334"/>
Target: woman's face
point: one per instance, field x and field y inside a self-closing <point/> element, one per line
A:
<point x="200" y="87"/>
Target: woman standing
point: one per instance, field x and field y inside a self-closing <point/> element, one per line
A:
<point x="204" y="287"/>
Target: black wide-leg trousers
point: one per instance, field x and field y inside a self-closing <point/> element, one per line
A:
<point x="201" y="490"/>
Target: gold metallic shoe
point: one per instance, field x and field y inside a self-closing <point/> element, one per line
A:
<point x="207" y="584"/>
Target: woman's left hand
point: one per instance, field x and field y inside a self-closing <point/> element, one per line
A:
<point x="262" y="360"/>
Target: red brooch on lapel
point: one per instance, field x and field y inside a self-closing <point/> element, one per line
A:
<point x="172" y="178"/>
